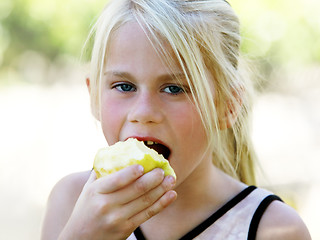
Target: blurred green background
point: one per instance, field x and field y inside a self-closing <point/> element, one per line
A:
<point x="46" y="130"/>
<point x="276" y="33"/>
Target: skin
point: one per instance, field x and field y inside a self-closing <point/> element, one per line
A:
<point x="141" y="99"/>
<point x="147" y="103"/>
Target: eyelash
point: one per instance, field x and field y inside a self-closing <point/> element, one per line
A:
<point x="176" y="87"/>
<point x="167" y="89"/>
<point x="120" y="86"/>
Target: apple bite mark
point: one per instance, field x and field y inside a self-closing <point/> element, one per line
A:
<point x="132" y="151"/>
<point x="159" y="148"/>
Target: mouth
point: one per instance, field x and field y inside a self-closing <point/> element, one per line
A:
<point x="158" y="147"/>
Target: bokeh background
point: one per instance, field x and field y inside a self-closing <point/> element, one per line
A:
<point x="47" y="132"/>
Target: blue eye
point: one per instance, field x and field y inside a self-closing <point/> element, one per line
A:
<point x="173" y="89"/>
<point x="125" y="87"/>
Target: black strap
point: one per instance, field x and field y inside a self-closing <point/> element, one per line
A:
<point x="138" y="234"/>
<point x="216" y="215"/>
<point x="258" y="215"/>
<point x="209" y="221"/>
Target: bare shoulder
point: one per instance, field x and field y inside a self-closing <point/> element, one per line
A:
<point x="280" y="221"/>
<point x="70" y="186"/>
<point x="61" y="202"/>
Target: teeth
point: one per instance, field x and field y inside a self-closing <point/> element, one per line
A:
<point x="151" y="142"/>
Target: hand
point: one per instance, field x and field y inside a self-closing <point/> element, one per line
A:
<point x="112" y="207"/>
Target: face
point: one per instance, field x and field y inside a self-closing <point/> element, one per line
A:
<point x="140" y="98"/>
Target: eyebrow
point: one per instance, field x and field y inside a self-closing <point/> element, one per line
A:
<point x="163" y="77"/>
<point x="120" y="74"/>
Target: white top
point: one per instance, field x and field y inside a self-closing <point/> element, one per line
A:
<point x="235" y="222"/>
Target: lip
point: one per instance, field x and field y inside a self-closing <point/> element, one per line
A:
<point x="146" y="138"/>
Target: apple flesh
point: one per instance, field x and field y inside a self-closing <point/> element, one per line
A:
<point x="122" y="154"/>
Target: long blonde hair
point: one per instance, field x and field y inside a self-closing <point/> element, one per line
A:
<point x="204" y="36"/>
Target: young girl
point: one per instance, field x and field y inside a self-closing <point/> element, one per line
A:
<point x="168" y="72"/>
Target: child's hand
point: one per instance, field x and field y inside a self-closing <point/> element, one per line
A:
<point x="112" y="207"/>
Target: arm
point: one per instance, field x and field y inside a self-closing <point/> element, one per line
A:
<point x="282" y="222"/>
<point x="107" y="208"/>
<point x="61" y="202"/>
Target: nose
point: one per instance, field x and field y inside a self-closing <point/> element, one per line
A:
<point x="146" y="108"/>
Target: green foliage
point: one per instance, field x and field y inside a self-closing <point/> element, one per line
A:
<point x="275" y="32"/>
<point x="52" y="28"/>
<point x="281" y="31"/>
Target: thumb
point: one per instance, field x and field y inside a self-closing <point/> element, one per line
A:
<point x="91" y="179"/>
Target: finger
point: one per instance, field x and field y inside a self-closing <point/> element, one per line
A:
<point x="119" y="179"/>
<point x="140" y="187"/>
<point x="168" y="198"/>
<point x="91" y="179"/>
<point x="148" y="199"/>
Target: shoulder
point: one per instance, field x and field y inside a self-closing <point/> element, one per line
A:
<point x="280" y="221"/>
<point x="69" y="187"/>
<point x="61" y="202"/>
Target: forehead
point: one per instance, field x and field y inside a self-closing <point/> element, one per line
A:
<point x="132" y="39"/>
<point x="145" y="55"/>
<point x="133" y="49"/>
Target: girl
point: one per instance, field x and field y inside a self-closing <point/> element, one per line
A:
<point x="168" y="72"/>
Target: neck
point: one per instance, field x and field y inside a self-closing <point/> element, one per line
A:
<point x="200" y="195"/>
<point x="206" y="192"/>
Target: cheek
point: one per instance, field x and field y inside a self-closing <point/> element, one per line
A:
<point x="111" y="119"/>
<point x="188" y="121"/>
<point x="191" y="141"/>
<point x="193" y="132"/>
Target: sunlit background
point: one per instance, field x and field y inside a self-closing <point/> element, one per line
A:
<point x="47" y="132"/>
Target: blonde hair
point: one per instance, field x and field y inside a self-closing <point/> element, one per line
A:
<point x="204" y="36"/>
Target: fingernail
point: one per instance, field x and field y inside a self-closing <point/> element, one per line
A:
<point x="140" y="169"/>
<point x="172" y="195"/>
<point x="162" y="171"/>
<point x="171" y="180"/>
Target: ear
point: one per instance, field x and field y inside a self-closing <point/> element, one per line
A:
<point x="88" y="84"/>
<point x="93" y="108"/>
<point x="232" y="109"/>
